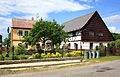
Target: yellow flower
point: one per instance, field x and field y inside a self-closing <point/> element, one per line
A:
<point x="58" y="54"/>
<point x="82" y="52"/>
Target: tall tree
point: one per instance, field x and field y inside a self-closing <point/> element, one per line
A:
<point x="116" y="36"/>
<point x="5" y="40"/>
<point x="46" y="30"/>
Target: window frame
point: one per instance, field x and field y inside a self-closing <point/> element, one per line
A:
<point x="100" y="34"/>
<point x="91" y="33"/>
<point x="20" y="33"/>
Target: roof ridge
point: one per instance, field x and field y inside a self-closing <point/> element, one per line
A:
<point x="24" y="19"/>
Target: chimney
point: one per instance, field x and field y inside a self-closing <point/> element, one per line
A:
<point x="32" y="18"/>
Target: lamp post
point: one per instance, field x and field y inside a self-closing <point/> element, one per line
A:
<point x="7" y="53"/>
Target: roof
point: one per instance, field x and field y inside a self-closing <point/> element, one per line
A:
<point x="22" y="23"/>
<point x="77" y="23"/>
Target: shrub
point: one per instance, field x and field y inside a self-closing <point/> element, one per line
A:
<point x="117" y="43"/>
<point x="36" y="56"/>
<point x="23" y="56"/>
<point x="101" y="47"/>
<point x="16" y="57"/>
<point x="1" y="57"/>
<point x="112" y="44"/>
<point x="20" y="49"/>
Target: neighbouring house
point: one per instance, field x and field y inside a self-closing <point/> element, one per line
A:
<point x="22" y="27"/>
<point x="86" y="32"/>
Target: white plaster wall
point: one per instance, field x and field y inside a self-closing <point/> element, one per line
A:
<point x="85" y="45"/>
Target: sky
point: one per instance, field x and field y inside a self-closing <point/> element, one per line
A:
<point x="60" y="10"/>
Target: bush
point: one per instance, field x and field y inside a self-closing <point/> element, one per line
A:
<point x="16" y="57"/>
<point x="36" y="56"/>
<point x="20" y="49"/>
<point x="101" y="47"/>
<point x="117" y="43"/>
<point x="112" y="44"/>
<point x="1" y="57"/>
<point x="23" y="56"/>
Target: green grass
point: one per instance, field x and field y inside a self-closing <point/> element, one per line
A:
<point x="106" y="58"/>
<point x="1" y="70"/>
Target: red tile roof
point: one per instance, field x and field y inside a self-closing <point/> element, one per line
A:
<point x="22" y="23"/>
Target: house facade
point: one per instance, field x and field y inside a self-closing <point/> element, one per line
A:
<point x="20" y="28"/>
<point x="86" y="32"/>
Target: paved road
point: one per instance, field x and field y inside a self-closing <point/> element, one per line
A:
<point x="107" y="69"/>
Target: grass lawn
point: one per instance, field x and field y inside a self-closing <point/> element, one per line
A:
<point x="106" y="58"/>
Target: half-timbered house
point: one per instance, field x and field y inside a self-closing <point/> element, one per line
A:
<point x="86" y="32"/>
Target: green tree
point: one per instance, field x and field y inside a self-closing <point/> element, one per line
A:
<point x="116" y="36"/>
<point x="46" y="30"/>
<point x="5" y="40"/>
<point x="20" y="49"/>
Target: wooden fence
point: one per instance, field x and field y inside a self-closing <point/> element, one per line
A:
<point x="112" y="51"/>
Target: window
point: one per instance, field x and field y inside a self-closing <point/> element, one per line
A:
<point x="70" y="34"/>
<point x="26" y="45"/>
<point x="25" y="33"/>
<point x="100" y="34"/>
<point x="91" y="33"/>
<point x="78" y="33"/>
<point x="20" y="32"/>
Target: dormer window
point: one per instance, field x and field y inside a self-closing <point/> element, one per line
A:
<point x="20" y="32"/>
<point x="91" y="33"/>
<point x="100" y="34"/>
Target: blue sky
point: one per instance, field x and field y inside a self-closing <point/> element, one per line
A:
<point x="60" y="10"/>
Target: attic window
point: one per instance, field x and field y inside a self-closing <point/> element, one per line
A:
<point x="91" y="33"/>
<point x="100" y="34"/>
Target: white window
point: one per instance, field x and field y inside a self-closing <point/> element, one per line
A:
<point x="20" y="32"/>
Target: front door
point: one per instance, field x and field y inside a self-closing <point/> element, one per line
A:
<point x="91" y="45"/>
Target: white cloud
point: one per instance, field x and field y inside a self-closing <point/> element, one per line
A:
<point x="4" y="24"/>
<point x="43" y="7"/>
<point x="114" y="29"/>
<point x="112" y="19"/>
<point x="86" y="0"/>
<point x="90" y="0"/>
<point x="29" y="9"/>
